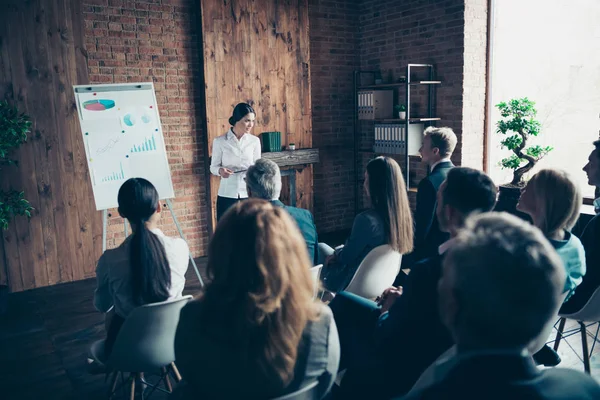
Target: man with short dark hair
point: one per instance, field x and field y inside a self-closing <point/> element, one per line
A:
<point x="500" y="287"/>
<point x="590" y="238"/>
<point x="385" y="352"/>
<point x="263" y="181"/>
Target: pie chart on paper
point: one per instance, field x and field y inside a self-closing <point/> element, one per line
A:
<point x="98" y="105"/>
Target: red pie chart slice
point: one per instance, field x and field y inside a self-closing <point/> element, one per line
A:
<point x="98" y="105"/>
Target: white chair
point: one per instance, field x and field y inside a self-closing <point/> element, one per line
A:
<point x="145" y="343"/>
<point x="376" y="272"/>
<point x="590" y="313"/>
<point x="316" y="275"/>
<point x="308" y="392"/>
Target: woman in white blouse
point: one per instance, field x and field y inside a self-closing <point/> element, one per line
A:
<point x="232" y="154"/>
<point x="148" y="267"/>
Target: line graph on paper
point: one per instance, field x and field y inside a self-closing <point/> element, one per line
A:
<point x="111" y="143"/>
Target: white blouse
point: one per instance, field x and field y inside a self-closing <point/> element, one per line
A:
<point x="113" y="274"/>
<point x="236" y="155"/>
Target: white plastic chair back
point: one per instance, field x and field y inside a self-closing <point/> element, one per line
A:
<point x="146" y="339"/>
<point x="308" y="392"/>
<point x="590" y="312"/>
<point x="316" y="275"/>
<point x="376" y="272"/>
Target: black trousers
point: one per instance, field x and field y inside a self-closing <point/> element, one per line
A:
<point x="223" y="204"/>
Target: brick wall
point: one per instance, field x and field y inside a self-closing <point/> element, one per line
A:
<point x="139" y="41"/>
<point x="334" y="57"/>
<point x="393" y="34"/>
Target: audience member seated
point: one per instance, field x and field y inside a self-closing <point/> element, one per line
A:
<point x="501" y="285"/>
<point x="255" y="332"/>
<point x="552" y="200"/>
<point x="438" y="146"/>
<point x="387" y="221"/>
<point x="385" y="352"/>
<point x="590" y="239"/>
<point x="148" y="267"/>
<point x="263" y="181"/>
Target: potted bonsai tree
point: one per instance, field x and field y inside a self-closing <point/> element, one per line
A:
<point x="400" y="110"/>
<point x="518" y="123"/>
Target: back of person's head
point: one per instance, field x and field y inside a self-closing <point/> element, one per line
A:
<point x="264" y="180"/>
<point x="556" y="200"/>
<point x="387" y="193"/>
<point x="261" y="291"/>
<point x="443" y="138"/>
<point x="150" y="271"/>
<point x="501" y="283"/>
<point x="464" y="192"/>
<point x="239" y="112"/>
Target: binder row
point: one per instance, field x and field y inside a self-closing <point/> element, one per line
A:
<point x="389" y="139"/>
<point x="365" y="105"/>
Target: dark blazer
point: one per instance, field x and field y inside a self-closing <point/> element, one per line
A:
<point x="590" y="238"/>
<point x="306" y="223"/>
<point x="427" y="232"/>
<point x="406" y="341"/>
<point x="509" y="376"/>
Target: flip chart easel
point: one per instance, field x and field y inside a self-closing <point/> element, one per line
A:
<point x="123" y="138"/>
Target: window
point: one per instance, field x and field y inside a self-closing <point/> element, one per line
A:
<point x="550" y="53"/>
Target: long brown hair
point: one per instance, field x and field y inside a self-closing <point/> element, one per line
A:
<point x="261" y="289"/>
<point x="387" y="191"/>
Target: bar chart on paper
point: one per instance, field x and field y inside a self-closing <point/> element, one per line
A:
<point x="149" y="144"/>
<point x="112" y="176"/>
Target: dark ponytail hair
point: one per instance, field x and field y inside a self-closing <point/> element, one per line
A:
<point x="239" y="112"/>
<point x="150" y="271"/>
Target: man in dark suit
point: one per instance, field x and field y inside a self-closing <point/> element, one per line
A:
<point x="438" y="146"/>
<point x="590" y="238"/>
<point x="500" y="287"/>
<point x="385" y="352"/>
<point x="263" y="181"/>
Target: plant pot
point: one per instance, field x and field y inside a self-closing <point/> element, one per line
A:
<point x="402" y="114"/>
<point x="508" y="198"/>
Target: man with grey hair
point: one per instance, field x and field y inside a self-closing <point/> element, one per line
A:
<point x="501" y="285"/>
<point x="263" y="181"/>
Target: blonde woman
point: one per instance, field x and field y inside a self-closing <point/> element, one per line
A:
<point x="387" y="221"/>
<point x="552" y="199"/>
<point x="256" y="332"/>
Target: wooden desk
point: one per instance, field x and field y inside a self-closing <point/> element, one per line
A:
<point x="291" y="162"/>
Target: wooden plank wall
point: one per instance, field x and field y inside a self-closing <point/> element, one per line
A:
<point x="257" y="51"/>
<point x="41" y="56"/>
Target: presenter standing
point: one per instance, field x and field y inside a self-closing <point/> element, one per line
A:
<point x="232" y="154"/>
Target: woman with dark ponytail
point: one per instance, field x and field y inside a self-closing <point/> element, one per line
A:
<point x="148" y="267"/>
<point x="232" y="154"/>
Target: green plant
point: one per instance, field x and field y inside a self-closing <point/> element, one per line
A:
<point x="399" y="107"/>
<point x="519" y="122"/>
<point x="14" y="127"/>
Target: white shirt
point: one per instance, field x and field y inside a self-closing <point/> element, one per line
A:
<point x="439" y="162"/>
<point x="236" y="155"/>
<point x="113" y="274"/>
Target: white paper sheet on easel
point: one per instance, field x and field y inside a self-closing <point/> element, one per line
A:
<point x="123" y="138"/>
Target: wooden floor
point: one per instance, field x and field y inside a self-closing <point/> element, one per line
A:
<point x="44" y="340"/>
<point x="46" y="333"/>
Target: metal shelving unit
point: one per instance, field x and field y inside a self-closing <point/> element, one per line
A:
<point x="431" y="83"/>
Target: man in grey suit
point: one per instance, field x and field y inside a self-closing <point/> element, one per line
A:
<point x="263" y="181"/>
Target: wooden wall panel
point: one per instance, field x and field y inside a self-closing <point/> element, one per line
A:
<point x="42" y="56"/>
<point x="258" y="52"/>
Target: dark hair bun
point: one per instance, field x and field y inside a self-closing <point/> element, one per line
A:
<point x="239" y="112"/>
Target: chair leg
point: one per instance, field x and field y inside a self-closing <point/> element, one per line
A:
<point x="176" y="372"/>
<point x="113" y="383"/>
<point x="167" y="380"/>
<point x="559" y="332"/>
<point x="133" y="378"/>
<point x="584" y="346"/>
